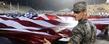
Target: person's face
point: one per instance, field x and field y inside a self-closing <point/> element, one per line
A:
<point x="81" y="15"/>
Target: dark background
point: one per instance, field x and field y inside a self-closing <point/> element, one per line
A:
<point x="36" y="4"/>
<point x="50" y="4"/>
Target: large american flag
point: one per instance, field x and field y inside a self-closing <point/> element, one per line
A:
<point x="33" y="31"/>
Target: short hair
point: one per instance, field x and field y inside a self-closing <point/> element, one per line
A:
<point x="79" y="6"/>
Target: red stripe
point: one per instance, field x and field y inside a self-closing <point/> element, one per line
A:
<point x="47" y="30"/>
<point x="28" y="23"/>
<point x="52" y="17"/>
<point x="40" y="18"/>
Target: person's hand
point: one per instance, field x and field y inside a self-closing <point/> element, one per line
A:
<point x="46" y="41"/>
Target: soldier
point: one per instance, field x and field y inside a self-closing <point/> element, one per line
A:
<point x="84" y="32"/>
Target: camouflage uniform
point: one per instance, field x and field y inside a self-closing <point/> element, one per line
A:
<point x="83" y="33"/>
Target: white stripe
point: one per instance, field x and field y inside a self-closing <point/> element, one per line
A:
<point x="16" y="24"/>
<point x="69" y="22"/>
<point x="43" y="16"/>
<point x="100" y="22"/>
<point x="99" y="19"/>
<point x="39" y="22"/>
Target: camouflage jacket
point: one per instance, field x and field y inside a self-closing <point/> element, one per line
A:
<point x="83" y="33"/>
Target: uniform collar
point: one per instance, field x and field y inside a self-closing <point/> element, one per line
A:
<point x="82" y="21"/>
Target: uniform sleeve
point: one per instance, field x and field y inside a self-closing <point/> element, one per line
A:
<point x="76" y="36"/>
